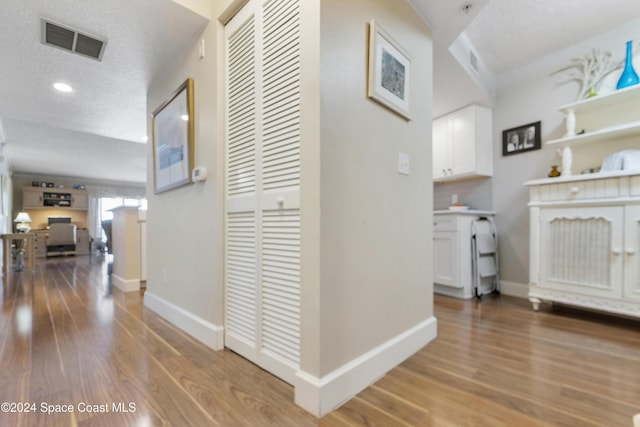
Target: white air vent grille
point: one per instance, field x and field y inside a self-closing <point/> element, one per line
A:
<point x="63" y="37"/>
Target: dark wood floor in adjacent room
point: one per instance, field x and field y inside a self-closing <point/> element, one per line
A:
<point x="67" y="338"/>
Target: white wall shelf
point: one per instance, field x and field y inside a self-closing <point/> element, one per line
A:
<point x="601" y="135"/>
<point x="601" y="102"/>
<point x="606" y="118"/>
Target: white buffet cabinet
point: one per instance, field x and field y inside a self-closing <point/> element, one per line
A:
<point x="452" y="272"/>
<point x="584" y="241"/>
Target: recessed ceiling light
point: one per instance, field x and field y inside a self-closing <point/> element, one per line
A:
<point x="63" y="87"/>
<point x="144" y="138"/>
<point x="185" y="117"/>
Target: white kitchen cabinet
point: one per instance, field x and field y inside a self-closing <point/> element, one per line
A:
<point x="445" y="266"/>
<point x="462" y="144"/>
<point x="632" y="253"/>
<point x="584" y="242"/>
<point x="452" y="263"/>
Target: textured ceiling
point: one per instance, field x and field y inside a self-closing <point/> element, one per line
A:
<point x="95" y="131"/>
<point x="106" y="114"/>
<point x="508" y="33"/>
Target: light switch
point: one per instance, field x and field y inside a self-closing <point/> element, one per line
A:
<point x="403" y="163"/>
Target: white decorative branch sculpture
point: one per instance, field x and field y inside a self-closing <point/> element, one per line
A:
<point x="591" y="69"/>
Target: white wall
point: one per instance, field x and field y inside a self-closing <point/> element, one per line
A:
<point x="366" y="230"/>
<point x="6" y="193"/>
<point x="184" y="225"/>
<point x="529" y="94"/>
<point x="376" y="250"/>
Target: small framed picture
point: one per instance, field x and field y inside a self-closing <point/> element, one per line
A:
<point x="43" y="184"/>
<point x="50" y="185"/>
<point x="389" y="72"/>
<point x="35" y="183"/>
<point x="521" y="139"/>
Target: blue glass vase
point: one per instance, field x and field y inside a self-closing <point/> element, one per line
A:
<point x="629" y="76"/>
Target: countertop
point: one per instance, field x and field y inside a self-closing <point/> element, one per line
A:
<point x="465" y="212"/>
<point x="582" y="177"/>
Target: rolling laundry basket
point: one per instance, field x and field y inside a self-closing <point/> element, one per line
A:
<point x="484" y="257"/>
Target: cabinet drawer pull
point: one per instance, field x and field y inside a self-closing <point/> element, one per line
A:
<point x="631" y="251"/>
<point x="616" y="251"/>
<point x="574" y="190"/>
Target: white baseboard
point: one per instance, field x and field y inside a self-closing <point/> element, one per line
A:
<point x="514" y="289"/>
<point x="204" y="331"/>
<point x="322" y="395"/>
<point x="125" y="285"/>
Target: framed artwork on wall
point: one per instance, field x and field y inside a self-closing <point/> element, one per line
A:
<point x="521" y="139"/>
<point x="389" y="72"/>
<point x="173" y="139"/>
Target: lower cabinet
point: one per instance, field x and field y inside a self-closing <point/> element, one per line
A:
<point x="631" y="271"/>
<point x="83" y="244"/>
<point x="40" y="243"/>
<point x="584" y="251"/>
<point x="452" y="262"/>
<point x="446" y="263"/>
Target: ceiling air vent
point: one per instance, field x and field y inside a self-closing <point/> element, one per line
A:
<point x="473" y="61"/>
<point x="67" y="38"/>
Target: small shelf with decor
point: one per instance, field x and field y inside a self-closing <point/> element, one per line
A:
<point x="601" y="102"/>
<point x="603" y="117"/>
<point x="601" y="135"/>
<point x="38" y="198"/>
<point x="599" y="119"/>
<point x="56" y="199"/>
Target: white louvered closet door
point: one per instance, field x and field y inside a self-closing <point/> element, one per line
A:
<point x="262" y="231"/>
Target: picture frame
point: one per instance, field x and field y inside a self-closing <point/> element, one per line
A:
<point x="521" y="139"/>
<point x="389" y="72"/>
<point x="173" y="139"/>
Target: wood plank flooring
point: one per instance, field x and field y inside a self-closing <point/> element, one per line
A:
<point x="67" y="339"/>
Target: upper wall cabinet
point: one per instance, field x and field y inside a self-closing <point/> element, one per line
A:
<point x="462" y="145"/>
<point x="38" y="198"/>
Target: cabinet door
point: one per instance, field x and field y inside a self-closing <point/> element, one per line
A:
<point x="80" y="200"/>
<point x="83" y="242"/>
<point x="441" y="147"/>
<point x="631" y="253"/>
<point x="581" y="250"/>
<point x="463" y="142"/>
<point x="445" y="259"/>
<point x="31" y="198"/>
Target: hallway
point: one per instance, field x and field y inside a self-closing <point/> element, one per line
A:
<point x="67" y="339"/>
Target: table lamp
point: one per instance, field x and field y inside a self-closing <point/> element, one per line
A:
<point x="23" y="219"/>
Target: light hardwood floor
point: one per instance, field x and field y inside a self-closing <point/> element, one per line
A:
<point x="66" y="338"/>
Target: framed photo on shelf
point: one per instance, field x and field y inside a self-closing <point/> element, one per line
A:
<point x="389" y="72"/>
<point x="521" y="139"/>
<point x="173" y="139"/>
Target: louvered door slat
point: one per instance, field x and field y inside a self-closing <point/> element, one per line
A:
<point x="263" y="159"/>
<point x="241" y="253"/>
<point x="281" y="93"/>
<point x="241" y="278"/>
<point x="281" y="284"/>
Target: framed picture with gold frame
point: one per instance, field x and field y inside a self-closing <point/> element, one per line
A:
<point x="173" y="139"/>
